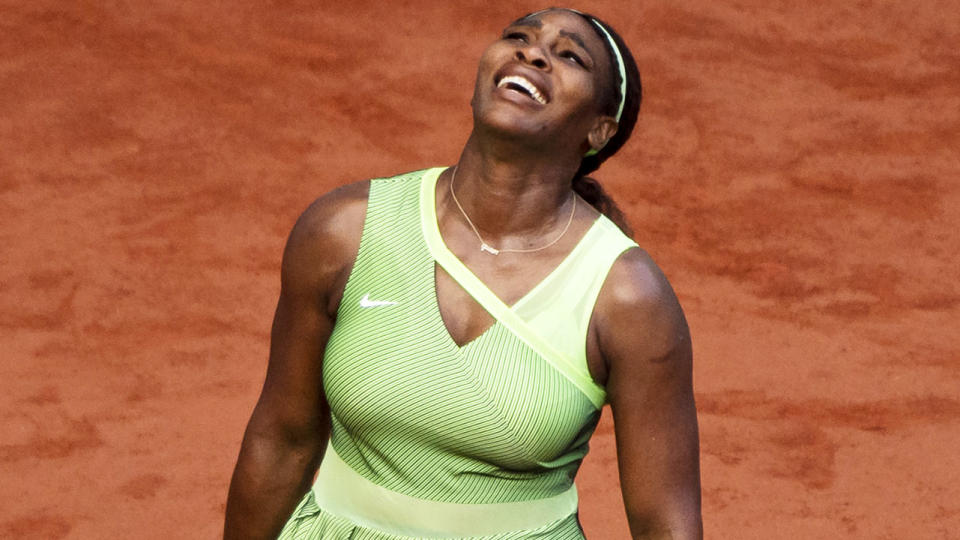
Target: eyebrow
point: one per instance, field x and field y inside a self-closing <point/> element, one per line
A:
<point x="537" y="23"/>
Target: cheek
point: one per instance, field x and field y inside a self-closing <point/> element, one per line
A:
<point x="582" y="91"/>
<point x="486" y="66"/>
<point x="494" y="55"/>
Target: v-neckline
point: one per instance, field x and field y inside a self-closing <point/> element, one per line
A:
<point x="463" y="275"/>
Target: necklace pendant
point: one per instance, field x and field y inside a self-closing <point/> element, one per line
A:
<point x="489" y="249"/>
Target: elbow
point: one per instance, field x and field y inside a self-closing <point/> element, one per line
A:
<point x="687" y="525"/>
<point x="272" y="447"/>
<point x="288" y="428"/>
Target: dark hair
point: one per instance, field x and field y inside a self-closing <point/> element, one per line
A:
<point x="588" y="188"/>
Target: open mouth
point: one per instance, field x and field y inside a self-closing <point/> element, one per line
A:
<point x="524" y="86"/>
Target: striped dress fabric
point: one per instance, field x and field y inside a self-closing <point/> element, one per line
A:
<point x="416" y="414"/>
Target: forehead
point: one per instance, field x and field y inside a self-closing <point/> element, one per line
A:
<point x="568" y="23"/>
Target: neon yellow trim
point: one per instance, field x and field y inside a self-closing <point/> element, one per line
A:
<point x="567" y="366"/>
<point x="560" y="308"/>
<point x="341" y="491"/>
<point x="623" y="80"/>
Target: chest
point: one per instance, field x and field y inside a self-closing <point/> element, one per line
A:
<point x="394" y="372"/>
<point x="465" y="319"/>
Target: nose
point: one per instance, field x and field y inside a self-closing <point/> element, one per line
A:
<point x="533" y="55"/>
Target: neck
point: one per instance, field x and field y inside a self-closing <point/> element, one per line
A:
<point x="507" y="196"/>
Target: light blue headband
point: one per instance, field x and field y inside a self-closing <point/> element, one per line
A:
<point x="620" y="67"/>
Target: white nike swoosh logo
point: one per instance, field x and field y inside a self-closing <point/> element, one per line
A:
<point x="367" y="302"/>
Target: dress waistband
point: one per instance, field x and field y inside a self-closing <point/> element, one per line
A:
<point x="343" y="492"/>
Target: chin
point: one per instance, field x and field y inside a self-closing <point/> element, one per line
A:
<point x="506" y="120"/>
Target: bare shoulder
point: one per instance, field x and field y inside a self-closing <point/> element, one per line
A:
<point x="638" y="310"/>
<point x="333" y="218"/>
<point x="646" y="343"/>
<point x="324" y="241"/>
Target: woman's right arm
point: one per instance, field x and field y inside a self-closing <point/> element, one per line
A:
<point x="284" y="439"/>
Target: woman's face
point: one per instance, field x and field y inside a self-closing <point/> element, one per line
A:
<point x="546" y="76"/>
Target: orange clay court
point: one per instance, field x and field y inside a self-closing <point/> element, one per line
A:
<point x="794" y="171"/>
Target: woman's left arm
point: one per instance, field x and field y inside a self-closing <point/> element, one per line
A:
<point x="643" y="337"/>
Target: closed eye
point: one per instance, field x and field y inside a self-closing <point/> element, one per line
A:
<point x="574" y="57"/>
<point x="516" y="36"/>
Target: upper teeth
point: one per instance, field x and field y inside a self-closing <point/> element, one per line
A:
<point x="525" y="84"/>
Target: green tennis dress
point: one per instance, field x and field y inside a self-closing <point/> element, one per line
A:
<point x="434" y="440"/>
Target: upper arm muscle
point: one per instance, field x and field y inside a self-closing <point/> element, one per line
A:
<point x="644" y="339"/>
<point x="317" y="258"/>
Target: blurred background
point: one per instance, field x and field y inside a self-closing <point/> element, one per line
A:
<point x="794" y="172"/>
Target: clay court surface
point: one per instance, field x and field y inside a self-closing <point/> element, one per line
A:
<point x="795" y="172"/>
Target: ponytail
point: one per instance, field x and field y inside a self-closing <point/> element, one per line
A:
<point x="589" y="188"/>
<point x="591" y="191"/>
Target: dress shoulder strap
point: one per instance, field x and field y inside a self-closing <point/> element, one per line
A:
<point x="552" y="318"/>
<point x="560" y="308"/>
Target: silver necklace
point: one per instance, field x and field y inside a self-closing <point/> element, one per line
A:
<point x="484" y="246"/>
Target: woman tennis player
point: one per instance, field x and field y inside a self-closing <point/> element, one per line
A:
<point x="445" y="339"/>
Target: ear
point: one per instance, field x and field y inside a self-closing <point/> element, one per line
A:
<point x="604" y="128"/>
